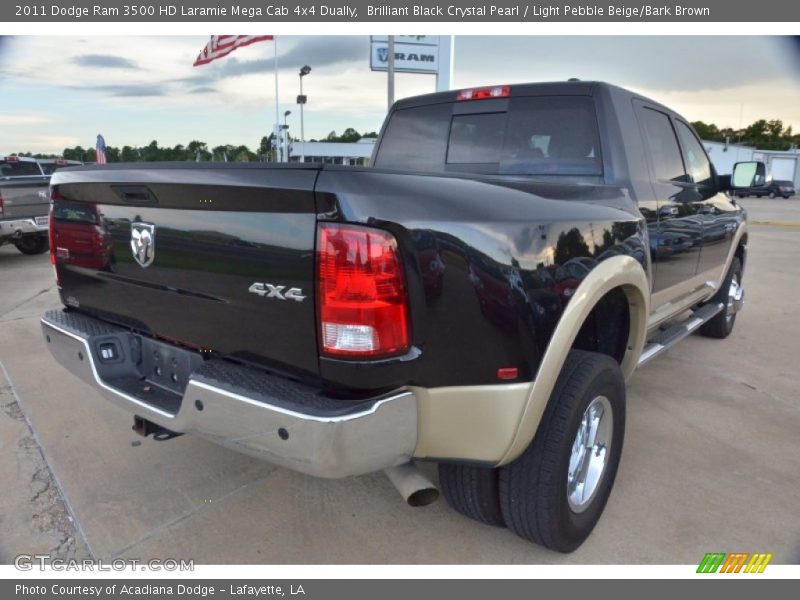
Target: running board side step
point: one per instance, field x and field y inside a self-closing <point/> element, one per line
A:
<point x="666" y="338"/>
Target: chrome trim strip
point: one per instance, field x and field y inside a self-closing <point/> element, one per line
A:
<point x="99" y="381"/>
<point x="285" y="411"/>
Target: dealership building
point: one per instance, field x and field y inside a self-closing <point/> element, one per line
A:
<point x="782" y="165"/>
<point x="334" y="153"/>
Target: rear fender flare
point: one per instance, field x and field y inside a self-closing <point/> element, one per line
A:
<point x="616" y="272"/>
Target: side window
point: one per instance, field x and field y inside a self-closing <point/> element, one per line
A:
<point x="661" y="143"/>
<point x="696" y="159"/>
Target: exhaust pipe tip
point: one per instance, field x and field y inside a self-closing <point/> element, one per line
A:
<point x="414" y="487"/>
<point x="423" y="497"/>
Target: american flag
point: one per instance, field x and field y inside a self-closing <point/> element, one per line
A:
<point x="100" y="150"/>
<point x="222" y="45"/>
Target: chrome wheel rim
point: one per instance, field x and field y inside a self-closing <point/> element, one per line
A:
<point x="735" y="298"/>
<point x="590" y="454"/>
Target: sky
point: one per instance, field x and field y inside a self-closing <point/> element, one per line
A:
<point x="61" y="91"/>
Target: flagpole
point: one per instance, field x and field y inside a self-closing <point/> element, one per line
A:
<point x="277" y="108"/>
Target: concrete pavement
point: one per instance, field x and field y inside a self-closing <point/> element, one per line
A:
<point x="710" y="460"/>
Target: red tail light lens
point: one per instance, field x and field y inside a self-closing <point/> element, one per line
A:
<point x="2" y="207"/>
<point x="51" y="233"/>
<point x="362" y="292"/>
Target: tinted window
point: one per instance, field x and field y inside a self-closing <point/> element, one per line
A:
<point x="74" y="212"/>
<point x="696" y="159"/>
<point x="662" y="145"/>
<point x="552" y="136"/>
<point x="416" y="139"/>
<point x="535" y="136"/>
<point x="19" y="168"/>
<point x="476" y="138"/>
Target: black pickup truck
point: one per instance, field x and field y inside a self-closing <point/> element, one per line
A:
<point x="477" y="297"/>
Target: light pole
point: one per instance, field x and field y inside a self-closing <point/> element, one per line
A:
<point x="286" y="135"/>
<point x="301" y="100"/>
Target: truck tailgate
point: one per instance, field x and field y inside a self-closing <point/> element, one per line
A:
<point x="24" y="197"/>
<point x="217" y="257"/>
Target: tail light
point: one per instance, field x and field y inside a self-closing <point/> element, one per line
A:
<point x="2" y="207"/>
<point x="363" y="303"/>
<point x="498" y="91"/>
<point x="51" y="233"/>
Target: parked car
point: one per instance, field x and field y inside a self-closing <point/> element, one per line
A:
<point x="49" y="165"/>
<point x="416" y="310"/>
<point x="775" y="188"/>
<point x="24" y="204"/>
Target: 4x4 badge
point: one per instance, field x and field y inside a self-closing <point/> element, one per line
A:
<point x="269" y="290"/>
<point x="143" y="243"/>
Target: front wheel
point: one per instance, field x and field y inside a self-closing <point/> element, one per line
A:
<point x="31" y="244"/>
<point x="555" y="492"/>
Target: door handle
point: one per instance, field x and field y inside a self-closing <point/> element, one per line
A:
<point x="135" y="194"/>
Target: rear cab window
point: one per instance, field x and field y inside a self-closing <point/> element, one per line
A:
<point x="540" y="135"/>
<point x="19" y="168"/>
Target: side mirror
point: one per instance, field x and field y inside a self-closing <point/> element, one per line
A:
<point x="749" y="175"/>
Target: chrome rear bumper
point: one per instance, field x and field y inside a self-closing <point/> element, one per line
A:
<point x="18" y="227"/>
<point x="245" y="409"/>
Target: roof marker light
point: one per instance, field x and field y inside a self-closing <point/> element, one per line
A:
<point x="498" y="91"/>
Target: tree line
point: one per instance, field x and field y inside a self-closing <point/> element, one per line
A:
<point x="194" y="150"/>
<point x="762" y="134"/>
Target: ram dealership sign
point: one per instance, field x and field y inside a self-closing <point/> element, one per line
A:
<point x="414" y="54"/>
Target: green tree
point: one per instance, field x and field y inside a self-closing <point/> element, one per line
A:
<point x="129" y="154"/>
<point x="76" y="153"/>
<point x="708" y="131"/>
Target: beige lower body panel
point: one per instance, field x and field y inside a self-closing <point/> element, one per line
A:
<point x="470" y="422"/>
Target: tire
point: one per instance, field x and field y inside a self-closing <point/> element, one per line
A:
<point x="32" y="244"/>
<point x="741" y="195"/>
<point x="534" y="488"/>
<point x="472" y="491"/>
<point x="721" y="325"/>
<point x="772" y="195"/>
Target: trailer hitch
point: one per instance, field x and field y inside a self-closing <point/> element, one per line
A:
<point x="143" y="427"/>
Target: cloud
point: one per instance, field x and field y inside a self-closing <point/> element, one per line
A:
<point x="45" y="143"/>
<point x="127" y="90"/>
<point x="670" y="63"/>
<point x="317" y="51"/>
<point x="12" y="119"/>
<point x="104" y="61"/>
